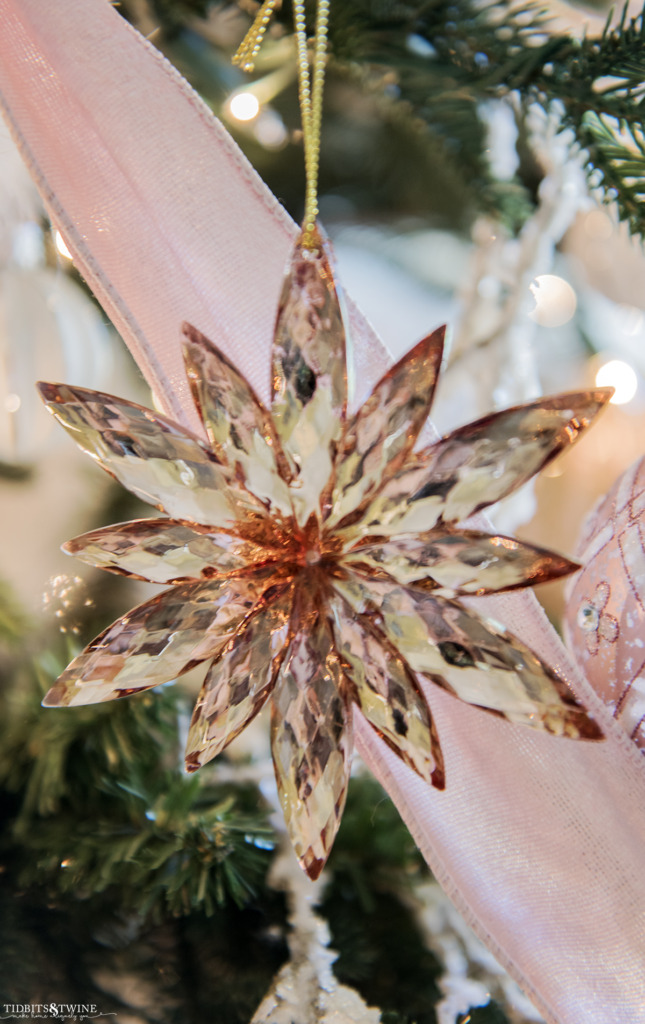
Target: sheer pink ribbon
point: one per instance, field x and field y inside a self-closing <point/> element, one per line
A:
<point x="541" y="842"/>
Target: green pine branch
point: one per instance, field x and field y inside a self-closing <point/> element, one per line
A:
<point x="616" y="151"/>
<point x="601" y="88"/>
<point x="447" y="57"/>
<point x="100" y="804"/>
<point x="174" y="847"/>
<point x="435" y="63"/>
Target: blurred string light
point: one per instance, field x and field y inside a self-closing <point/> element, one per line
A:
<point x="243" y="105"/>
<point x="555" y="300"/>
<point x="248" y="107"/>
<point x="269" y="129"/>
<point x="264" y="124"/>
<point x="61" y="247"/>
<point x="621" y="376"/>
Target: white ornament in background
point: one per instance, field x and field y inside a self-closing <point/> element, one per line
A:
<point x="19" y="200"/>
<point x="555" y="300"/>
<point x="49" y="328"/>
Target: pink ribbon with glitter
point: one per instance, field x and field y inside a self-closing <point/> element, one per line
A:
<point x="540" y="841"/>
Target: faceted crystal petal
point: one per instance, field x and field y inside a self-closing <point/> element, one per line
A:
<point x="159" y="640"/>
<point x="239" y="682"/>
<point x="471" y="657"/>
<point x="239" y="428"/>
<point x="153" y="457"/>
<point x="311" y="741"/>
<point x="387" y="693"/>
<point x="461" y="561"/>
<point x="480" y="463"/>
<point x="309" y="373"/>
<point x="383" y="432"/>
<point x="165" y="551"/>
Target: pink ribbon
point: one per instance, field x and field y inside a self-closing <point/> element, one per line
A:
<point x="540" y="841"/>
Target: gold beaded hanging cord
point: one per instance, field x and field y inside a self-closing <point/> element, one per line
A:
<point x="310" y="90"/>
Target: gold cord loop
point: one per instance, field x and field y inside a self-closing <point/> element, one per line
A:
<point x="250" y="45"/>
<point x="310" y="89"/>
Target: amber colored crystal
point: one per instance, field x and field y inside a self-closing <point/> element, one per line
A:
<point x="383" y="431"/>
<point x="388" y="694"/>
<point x="469" y="656"/>
<point x="159" y="640"/>
<point x="156" y="459"/>
<point x="239" y="428"/>
<point x="315" y="559"/>
<point x="311" y="737"/>
<point x="166" y="550"/>
<point x="239" y="682"/>
<point x="459" y="561"/>
<point x="479" y="464"/>
<point x="309" y="377"/>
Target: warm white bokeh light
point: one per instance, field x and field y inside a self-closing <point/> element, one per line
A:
<point x="270" y="130"/>
<point x="60" y="245"/>
<point x="619" y="375"/>
<point x="244" y="106"/>
<point x="555" y="300"/>
<point x="12" y="403"/>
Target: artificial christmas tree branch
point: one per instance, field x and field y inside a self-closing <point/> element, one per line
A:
<point x="474" y="52"/>
<point x="102" y="806"/>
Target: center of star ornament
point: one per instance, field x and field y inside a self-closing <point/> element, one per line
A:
<point x="307" y="552"/>
<point x="314" y="559"/>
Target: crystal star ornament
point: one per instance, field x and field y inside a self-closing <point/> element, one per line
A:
<point x="314" y="558"/>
